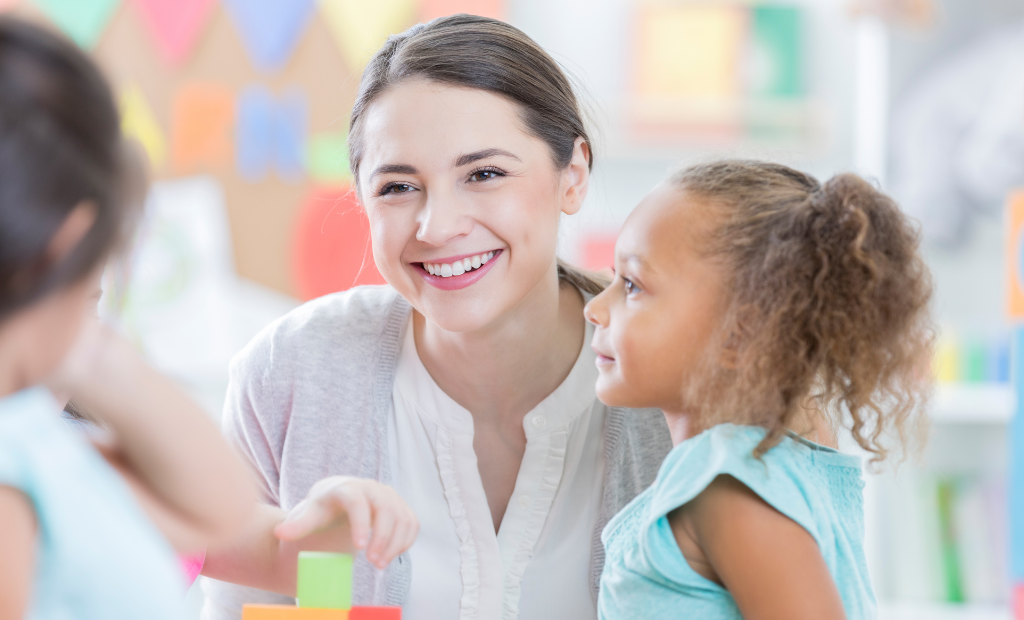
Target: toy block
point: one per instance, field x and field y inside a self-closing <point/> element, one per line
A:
<point x="375" y="613"/>
<point x="325" y="580"/>
<point x="288" y="612"/>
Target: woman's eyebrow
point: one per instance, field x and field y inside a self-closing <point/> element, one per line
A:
<point x="394" y="169"/>
<point x="469" y="158"/>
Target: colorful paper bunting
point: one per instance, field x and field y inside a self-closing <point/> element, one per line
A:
<point x="202" y="118"/>
<point x="432" y="9"/>
<point x="8" y="4"/>
<point x="175" y="25"/>
<point x="331" y="250"/>
<point x="360" y="27"/>
<point x="82" y="20"/>
<point x="138" y="121"/>
<point x="328" y="159"/>
<point x="270" y="28"/>
<point x="269" y="132"/>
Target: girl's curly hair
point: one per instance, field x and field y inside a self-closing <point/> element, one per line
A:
<point x="828" y="305"/>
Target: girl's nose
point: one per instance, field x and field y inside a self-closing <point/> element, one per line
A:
<point x="441" y="220"/>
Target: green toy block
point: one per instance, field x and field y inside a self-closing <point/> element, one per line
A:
<point x="325" y="580"/>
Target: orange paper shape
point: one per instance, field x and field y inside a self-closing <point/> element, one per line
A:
<point x="432" y="9"/>
<point x="289" y="612"/>
<point x="201" y="122"/>
<point x="1015" y="255"/>
<point x="331" y="245"/>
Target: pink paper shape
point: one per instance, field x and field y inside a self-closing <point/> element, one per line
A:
<point x="192" y="565"/>
<point x="175" y="25"/>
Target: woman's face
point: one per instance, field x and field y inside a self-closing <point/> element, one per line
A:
<point x="463" y="203"/>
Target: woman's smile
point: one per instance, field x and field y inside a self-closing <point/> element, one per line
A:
<point x="457" y="272"/>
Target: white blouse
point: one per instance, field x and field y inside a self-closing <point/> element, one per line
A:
<point x="537" y="566"/>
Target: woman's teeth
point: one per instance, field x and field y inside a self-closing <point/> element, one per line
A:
<point x="458" y="268"/>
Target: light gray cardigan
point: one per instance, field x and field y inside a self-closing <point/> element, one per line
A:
<point x="311" y="397"/>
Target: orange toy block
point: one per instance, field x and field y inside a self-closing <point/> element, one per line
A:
<point x="375" y="613"/>
<point x="288" y="612"/>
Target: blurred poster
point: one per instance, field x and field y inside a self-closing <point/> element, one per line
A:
<point x="958" y="136"/>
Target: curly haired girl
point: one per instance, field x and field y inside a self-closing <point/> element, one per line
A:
<point x="758" y="309"/>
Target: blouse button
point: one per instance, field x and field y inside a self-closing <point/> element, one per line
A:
<point x="524" y="501"/>
<point x="539" y="421"/>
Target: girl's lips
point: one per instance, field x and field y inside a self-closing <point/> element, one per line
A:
<point x="454" y="283"/>
<point x="603" y="359"/>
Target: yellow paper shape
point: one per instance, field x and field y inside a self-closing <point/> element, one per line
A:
<point x="138" y="121"/>
<point x="361" y="27"/>
<point x="946" y="363"/>
<point x="689" y="51"/>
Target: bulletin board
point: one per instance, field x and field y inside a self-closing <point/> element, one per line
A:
<point x="256" y="93"/>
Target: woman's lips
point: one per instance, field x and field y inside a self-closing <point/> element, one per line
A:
<point x="454" y="283"/>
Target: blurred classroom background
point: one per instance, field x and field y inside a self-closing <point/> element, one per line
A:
<point x="242" y="108"/>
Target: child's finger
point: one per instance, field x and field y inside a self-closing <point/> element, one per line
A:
<point x="383" y="528"/>
<point x="402" y="539"/>
<point x="304" y="519"/>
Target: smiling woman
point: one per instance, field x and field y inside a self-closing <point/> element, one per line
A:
<point x="466" y="384"/>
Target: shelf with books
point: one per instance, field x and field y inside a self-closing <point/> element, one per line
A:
<point x="972" y="403"/>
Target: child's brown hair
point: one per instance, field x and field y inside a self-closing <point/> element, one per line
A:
<point x="828" y="301"/>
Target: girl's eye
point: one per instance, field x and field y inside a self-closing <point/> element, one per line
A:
<point x="630" y="287"/>
<point x="485" y="174"/>
<point x="394" y="188"/>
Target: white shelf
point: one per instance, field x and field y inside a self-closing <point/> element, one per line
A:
<point x="938" y="611"/>
<point x="972" y="403"/>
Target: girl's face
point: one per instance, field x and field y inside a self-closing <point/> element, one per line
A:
<point x="463" y="203"/>
<point x="656" y="320"/>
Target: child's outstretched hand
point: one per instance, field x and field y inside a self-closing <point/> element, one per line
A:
<point x="379" y="520"/>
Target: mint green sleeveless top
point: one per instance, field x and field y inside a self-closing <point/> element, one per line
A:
<point x="645" y="573"/>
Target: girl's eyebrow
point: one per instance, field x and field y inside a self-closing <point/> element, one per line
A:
<point x="469" y="158"/>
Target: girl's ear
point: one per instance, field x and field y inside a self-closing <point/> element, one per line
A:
<point x="71" y="232"/>
<point x="576" y="178"/>
<point x="738" y="333"/>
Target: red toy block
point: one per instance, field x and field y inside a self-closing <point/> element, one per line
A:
<point x="289" y="612"/>
<point x="375" y="613"/>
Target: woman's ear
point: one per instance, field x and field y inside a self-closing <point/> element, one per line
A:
<point x="576" y="178"/>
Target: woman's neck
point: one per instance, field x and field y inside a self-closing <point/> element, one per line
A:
<point x="503" y="371"/>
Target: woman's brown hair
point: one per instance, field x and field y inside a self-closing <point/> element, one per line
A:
<point x="486" y="54"/>
<point x="828" y="304"/>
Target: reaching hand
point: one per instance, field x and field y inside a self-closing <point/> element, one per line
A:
<point x="380" y="521"/>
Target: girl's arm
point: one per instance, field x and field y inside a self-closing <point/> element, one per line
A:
<point x="771" y="565"/>
<point x="18" y="541"/>
<point x="340" y="514"/>
<point x="167" y="443"/>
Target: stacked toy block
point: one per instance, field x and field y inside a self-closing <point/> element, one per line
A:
<point x="323" y="592"/>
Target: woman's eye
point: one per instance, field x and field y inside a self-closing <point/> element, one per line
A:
<point x="485" y="175"/>
<point x="395" y="188"/>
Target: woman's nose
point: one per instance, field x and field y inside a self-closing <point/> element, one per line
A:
<point x="443" y="219"/>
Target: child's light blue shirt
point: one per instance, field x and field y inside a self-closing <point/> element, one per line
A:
<point x="645" y="573"/>
<point x="98" y="557"/>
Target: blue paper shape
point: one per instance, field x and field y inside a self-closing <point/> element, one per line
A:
<point x="255" y="132"/>
<point x="271" y="132"/>
<point x="1015" y="485"/>
<point x="290" y="143"/>
<point x="270" y="28"/>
